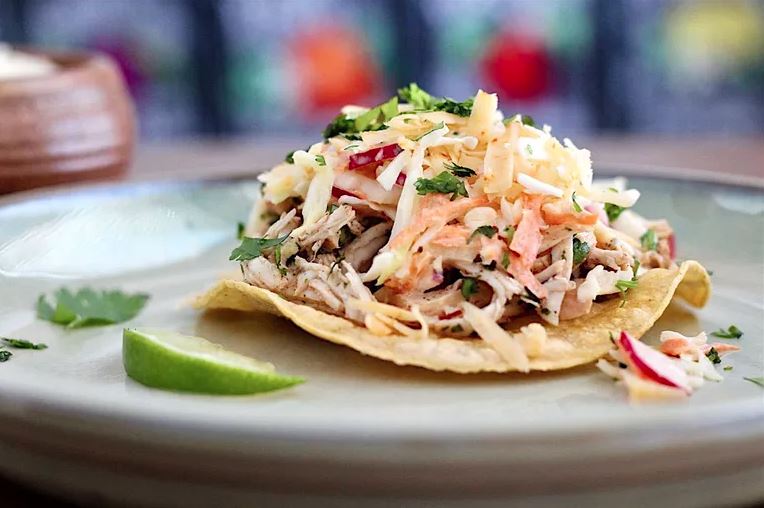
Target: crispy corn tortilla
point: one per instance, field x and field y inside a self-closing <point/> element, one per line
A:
<point x="572" y="343"/>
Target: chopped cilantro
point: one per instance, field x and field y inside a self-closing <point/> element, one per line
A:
<point x="756" y="380"/>
<point x="613" y="211"/>
<point x="415" y="96"/>
<point x="635" y="269"/>
<point x="505" y="260"/>
<point x="345" y="236"/>
<point x="458" y="170"/>
<point x="457" y="328"/>
<point x="624" y="285"/>
<point x="443" y="183"/>
<point x="713" y="355"/>
<point x="509" y="232"/>
<point x="252" y="248"/>
<point x="732" y="332"/>
<point x="5" y="355"/>
<point x="350" y="147"/>
<point x="524" y="119"/>
<point x="22" y="344"/>
<point x="290" y="157"/>
<point x="375" y="118"/>
<point x="728" y="368"/>
<point x="488" y="231"/>
<point x="88" y="307"/>
<point x="580" y="251"/>
<point x="277" y="259"/>
<point x="469" y="287"/>
<point x="423" y="101"/>
<point x="576" y="206"/>
<point x="320" y="160"/>
<point x="341" y="125"/>
<point x="463" y="108"/>
<point x="240" y="230"/>
<point x="649" y="240"/>
<point x="438" y="126"/>
<point x="372" y="120"/>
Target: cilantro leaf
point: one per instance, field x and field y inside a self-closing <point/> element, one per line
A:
<point x="22" y="344"/>
<point x="524" y="119"/>
<point x="375" y="118"/>
<point x="320" y="160"/>
<point x="443" y="183"/>
<point x="613" y="211"/>
<point x="5" y="355"/>
<point x="576" y="206"/>
<point x="732" y="332"/>
<point x="341" y="125"/>
<point x="649" y="240"/>
<point x="423" y="101"/>
<point x="509" y="232"/>
<point x="713" y="355"/>
<point x="252" y="248"/>
<point x="240" y="230"/>
<point x="290" y="157"/>
<point x="469" y="287"/>
<point x="463" y="108"/>
<point x="488" y="231"/>
<point x="756" y="380"/>
<point x="624" y="285"/>
<point x="461" y="171"/>
<point x="580" y="251"/>
<point x="505" y="260"/>
<point x="88" y="307"/>
<point x="415" y="96"/>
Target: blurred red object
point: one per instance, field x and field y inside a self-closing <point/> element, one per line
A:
<point x="517" y="65"/>
<point x="333" y="67"/>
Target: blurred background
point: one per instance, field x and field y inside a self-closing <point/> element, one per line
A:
<point x="235" y="67"/>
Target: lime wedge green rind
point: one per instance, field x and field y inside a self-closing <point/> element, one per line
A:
<point x="171" y="361"/>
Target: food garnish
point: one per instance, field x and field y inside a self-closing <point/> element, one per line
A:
<point x="674" y="371"/>
<point x="89" y="307"/>
<point x="732" y="332"/>
<point x="171" y="361"/>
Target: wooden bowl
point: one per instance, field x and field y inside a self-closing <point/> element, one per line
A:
<point x="75" y="124"/>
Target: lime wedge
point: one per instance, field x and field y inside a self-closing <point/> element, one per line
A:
<point x="169" y="360"/>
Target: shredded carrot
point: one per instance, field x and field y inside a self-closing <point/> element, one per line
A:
<point x="525" y="277"/>
<point x="527" y="238"/>
<point x="433" y="209"/>
<point x="419" y="268"/>
<point x="452" y="235"/>
<point x="554" y="218"/>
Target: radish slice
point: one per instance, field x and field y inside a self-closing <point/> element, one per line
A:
<point x="370" y="159"/>
<point x="651" y="364"/>
<point x="361" y="186"/>
<point x="672" y="246"/>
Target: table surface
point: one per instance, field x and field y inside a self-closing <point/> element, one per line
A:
<point x="218" y="159"/>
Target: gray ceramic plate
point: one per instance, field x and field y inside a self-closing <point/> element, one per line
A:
<point x="359" y="429"/>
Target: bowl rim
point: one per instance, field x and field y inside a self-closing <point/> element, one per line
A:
<point x="70" y="63"/>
